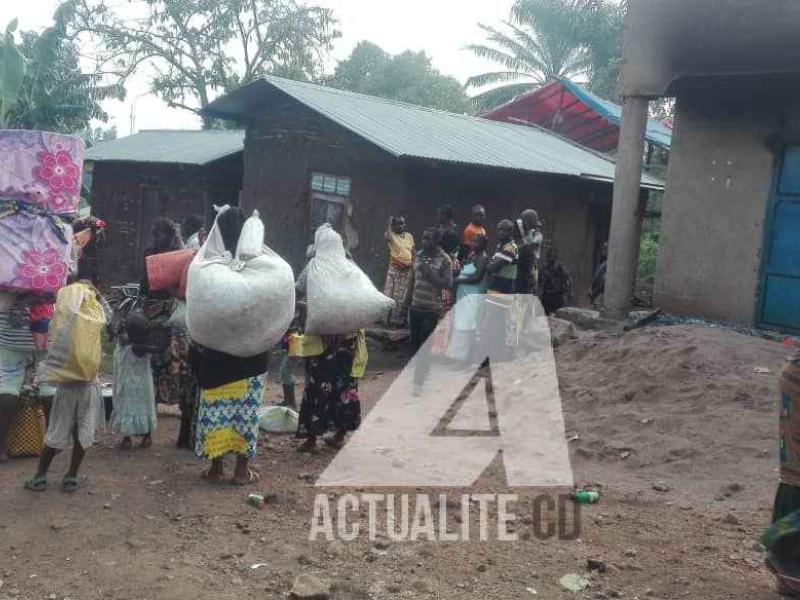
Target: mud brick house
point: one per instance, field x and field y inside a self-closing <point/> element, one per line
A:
<point x="315" y="154"/>
<point x="151" y="174"/>
<point x="730" y="242"/>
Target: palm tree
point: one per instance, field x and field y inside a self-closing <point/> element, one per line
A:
<point x="538" y="43"/>
<point x="546" y="39"/>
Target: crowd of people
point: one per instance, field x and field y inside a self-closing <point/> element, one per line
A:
<point x="457" y="283"/>
<point x="156" y="362"/>
<point x="438" y="290"/>
<point x="453" y="264"/>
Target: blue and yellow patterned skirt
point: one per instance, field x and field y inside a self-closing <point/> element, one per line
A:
<point x="227" y="419"/>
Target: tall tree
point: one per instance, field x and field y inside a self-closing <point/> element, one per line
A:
<point x="575" y="39"/>
<point x="54" y="93"/>
<point x="200" y="47"/>
<point x="407" y="77"/>
<point x="538" y="42"/>
<point x="597" y="25"/>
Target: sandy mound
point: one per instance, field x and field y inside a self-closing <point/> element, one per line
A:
<point x="681" y="404"/>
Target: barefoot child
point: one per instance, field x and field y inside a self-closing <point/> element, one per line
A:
<point x="73" y="363"/>
<point x="134" y="393"/>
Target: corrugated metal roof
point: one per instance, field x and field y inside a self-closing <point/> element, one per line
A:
<point x="170" y="146"/>
<point x="405" y="130"/>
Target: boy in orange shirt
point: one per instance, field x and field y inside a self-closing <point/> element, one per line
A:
<point x="474" y="229"/>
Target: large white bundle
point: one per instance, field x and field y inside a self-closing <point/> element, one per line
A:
<point x="341" y="298"/>
<point x="240" y="307"/>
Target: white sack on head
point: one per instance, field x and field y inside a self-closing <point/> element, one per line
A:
<point x="341" y="298"/>
<point x="240" y="305"/>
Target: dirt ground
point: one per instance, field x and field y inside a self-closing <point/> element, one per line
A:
<point x="681" y="409"/>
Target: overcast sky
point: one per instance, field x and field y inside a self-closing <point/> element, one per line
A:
<point x="440" y="27"/>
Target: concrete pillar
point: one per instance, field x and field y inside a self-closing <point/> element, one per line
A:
<point x="623" y="242"/>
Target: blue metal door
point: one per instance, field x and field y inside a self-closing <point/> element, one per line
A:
<point x="780" y="293"/>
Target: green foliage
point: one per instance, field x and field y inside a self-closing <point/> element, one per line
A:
<point x="12" y="72"/>
<point x="572" y="39"/>
<point x="203" y="47"/>
<point x="95" y="135"/>
<point x="407" y="77"/>
<point x="55" y="94"/>
<point x="648" y="254"/>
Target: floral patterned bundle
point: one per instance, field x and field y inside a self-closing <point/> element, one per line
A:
<point x="42" y="168"/>
<point x="35" y="253"/>
<point x="40" y="182"/>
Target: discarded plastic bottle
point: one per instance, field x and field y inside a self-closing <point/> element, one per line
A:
<point x="256" y="500"/>
<point x="585" y="497"/>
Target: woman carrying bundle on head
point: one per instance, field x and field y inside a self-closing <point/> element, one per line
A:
<point x="330" y="400"/>
<point x="231" y="389"/>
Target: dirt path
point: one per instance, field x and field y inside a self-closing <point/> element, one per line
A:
<point x="144" y="526"/>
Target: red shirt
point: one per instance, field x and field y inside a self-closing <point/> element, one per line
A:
<point x="470" y="232"/>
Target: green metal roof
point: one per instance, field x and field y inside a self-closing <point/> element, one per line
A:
<point x="405" y="130"/>
<point x="170" y="146"/>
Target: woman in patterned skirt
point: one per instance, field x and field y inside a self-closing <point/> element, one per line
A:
<point x="231" y="389"/>
<point x="330" y="401"/>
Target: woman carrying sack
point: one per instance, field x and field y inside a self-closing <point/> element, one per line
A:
<point x="231" y="389"/>
<point x="330" y="399"/>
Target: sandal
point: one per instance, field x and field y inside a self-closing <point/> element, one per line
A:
<point x="37" y="483"/>
<point x="307" y="447"/>
<point x="252" y="477"/>
<point x="69" y="484"/>
<point x="147" y="441"/>
<point x="335" y="442"/>
<point x="216" y="480"/>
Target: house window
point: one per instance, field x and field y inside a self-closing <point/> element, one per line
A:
<point x="330" y="184"/>
<point x="330" y="199"/>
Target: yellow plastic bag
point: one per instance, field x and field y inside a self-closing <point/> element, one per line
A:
<point x="305" y="346"/>
<point x="361" y="357"/>
<point x="76" y="330"/>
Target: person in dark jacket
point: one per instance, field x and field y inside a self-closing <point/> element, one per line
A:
<point x="599" y="280"/>
<point x="529" y="242"/>
<point x="555" y="283"/>
<point x="449" y="235"/>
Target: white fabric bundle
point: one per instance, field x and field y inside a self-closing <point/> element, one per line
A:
<point x="236" y="305"/>
<point x="341" y="298"/>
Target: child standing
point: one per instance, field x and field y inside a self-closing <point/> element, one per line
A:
<point x="134" y="393"/>
<point x="78" y="404"/>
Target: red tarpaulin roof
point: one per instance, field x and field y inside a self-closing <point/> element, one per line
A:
<point x="571" y="111"/>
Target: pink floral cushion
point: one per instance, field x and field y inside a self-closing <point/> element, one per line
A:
<point x="42" y="168"/>
<point x="33" y="256"/>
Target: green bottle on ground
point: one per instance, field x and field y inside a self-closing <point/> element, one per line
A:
<point x="584" y="497"/>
